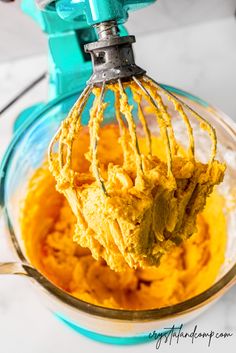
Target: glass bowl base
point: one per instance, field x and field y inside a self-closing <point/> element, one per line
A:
<point x="103" y="338"/>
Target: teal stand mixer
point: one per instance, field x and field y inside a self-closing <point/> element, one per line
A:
<point x="97" y="24"/>
<point x="69" y="25"/>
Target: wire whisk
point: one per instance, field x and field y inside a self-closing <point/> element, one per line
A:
<point x="185" y="191"/>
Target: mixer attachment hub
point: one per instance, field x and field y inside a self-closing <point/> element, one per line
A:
<point x="112" y="56"/>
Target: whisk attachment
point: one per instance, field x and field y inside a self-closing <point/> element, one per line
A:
<point x="136" y="203"/>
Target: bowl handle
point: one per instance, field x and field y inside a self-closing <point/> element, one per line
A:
<point x="13" y="268"/>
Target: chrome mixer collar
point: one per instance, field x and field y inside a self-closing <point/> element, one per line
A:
<point x="112" y="55"/>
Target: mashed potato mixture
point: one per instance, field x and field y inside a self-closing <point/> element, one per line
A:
<point x="49" y="225"/>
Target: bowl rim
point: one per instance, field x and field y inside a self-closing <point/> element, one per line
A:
<point x="178" y="309"/>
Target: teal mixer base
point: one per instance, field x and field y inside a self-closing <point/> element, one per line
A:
<point x="103" y="338"/>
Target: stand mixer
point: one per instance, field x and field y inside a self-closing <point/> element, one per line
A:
<point x="108" y="325"/>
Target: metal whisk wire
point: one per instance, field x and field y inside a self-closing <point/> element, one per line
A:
<point x="63" y="135"/>
<point x="126" y="110"/>
<point x="160" y="121"/>
<point x="98" y="108"/>
<point x="204" y="123"/>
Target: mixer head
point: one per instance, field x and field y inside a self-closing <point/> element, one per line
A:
<point x="112" y="55"/>
<point x="70" y="23"/>
<point x="93" y="11"/>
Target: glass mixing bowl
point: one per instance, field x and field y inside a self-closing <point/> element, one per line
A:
<point x="26" y="153"/>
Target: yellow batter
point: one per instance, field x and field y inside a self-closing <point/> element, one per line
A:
<point x="131" y="205"/>
<point x="48" y="226"/>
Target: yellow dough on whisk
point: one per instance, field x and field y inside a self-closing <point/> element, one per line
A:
<point x="132" y="209"/>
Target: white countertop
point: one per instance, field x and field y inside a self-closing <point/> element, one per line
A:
<point x="200" y="59"/>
